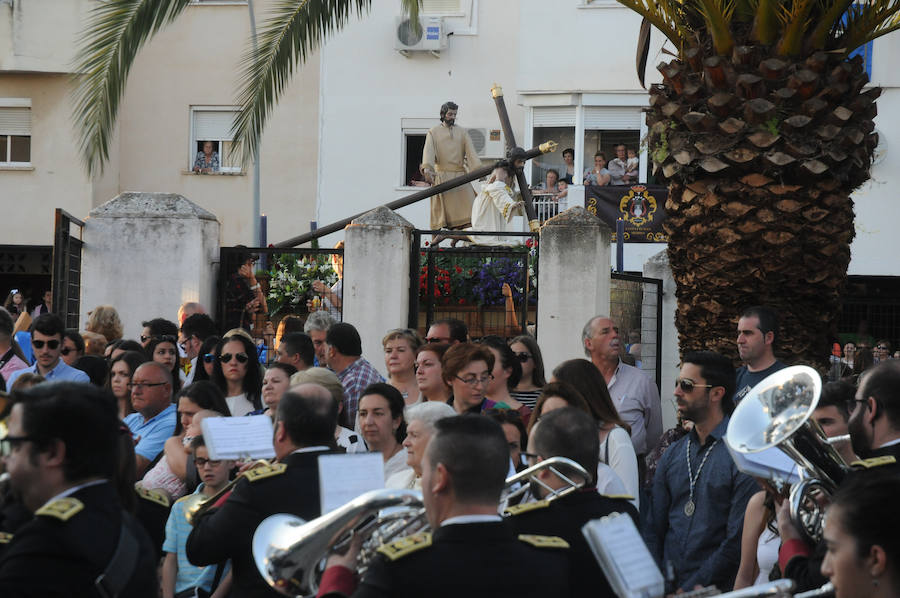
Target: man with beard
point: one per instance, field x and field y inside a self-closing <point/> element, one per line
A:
<point x="874" y="426"/>
<point x="696" y="515"/>
<point x="449" y="153"/>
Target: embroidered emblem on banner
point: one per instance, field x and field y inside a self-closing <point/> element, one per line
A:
<point x="637" y="207"/>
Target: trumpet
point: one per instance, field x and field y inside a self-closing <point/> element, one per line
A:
<point x="289" y="551"/>
<point x="198" y="504"/>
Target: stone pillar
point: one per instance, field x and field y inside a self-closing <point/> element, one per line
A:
<point x="658" y="267"/>
<point x="573" y="282"/>
<point x="146" y="254"/>
<point x="377" y="249"/>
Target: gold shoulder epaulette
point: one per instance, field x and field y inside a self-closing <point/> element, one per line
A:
<point x="62" y="509"/>
<point x="622" y="496"/>
<point x="404" y="546"/>
<point x="543" y="541"/>
<point x="525" y="507"/>
<point x="153" y="496"/>
<point x="5" y="537"/>
<point x="874" y="462"/>
<point x="264" y="471"/>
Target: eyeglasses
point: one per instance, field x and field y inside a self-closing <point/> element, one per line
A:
<point x="9" y="443"/>
<point x="688" y="385"/>
<point x="882" y="348"/>
<point x="209" y="358"/>
<point x="200" y="462"/>
<point x="226" y="357"/>
<point x="475" y="380"/>
<point x="523" y="357"/>
<point x="54" y="344"/>
<point x="65" y="350"/>
<point x="437" y="339"/>
<point x="142" y="385"/>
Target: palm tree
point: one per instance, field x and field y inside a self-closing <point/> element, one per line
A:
<point x="762" y="127"/>
<point x="117" y="29"/>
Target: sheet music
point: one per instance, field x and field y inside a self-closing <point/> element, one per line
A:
<point x="343" y="477"/>
<point x="628" y="565"/>
<point x="238" y="437"/>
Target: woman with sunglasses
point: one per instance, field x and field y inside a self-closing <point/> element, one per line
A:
<point x="400" y="347"/>
<point x="121" y="368"/>
<point x="170" y="471"/>
<point x="164" y="350"/>
<point x="236" y="372"/>
<point x="616" y="449"/>
<point x="429" y="375"/>
<point x="466" y="368"/>
<point x="506" y="374"/>
<point x="528" y="353"/>
<point x="206" y="358"/>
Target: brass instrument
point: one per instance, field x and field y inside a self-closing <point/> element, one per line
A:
<point x="289" y="552"/>
<point x="554" y="464"/>
<point x="777" y="412"/>
<point x="198" y="504"/>
<point x="781" y="588"/>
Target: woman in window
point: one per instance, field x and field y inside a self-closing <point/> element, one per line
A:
<point x="598" y="175"/>
<point x="207" y="161"/>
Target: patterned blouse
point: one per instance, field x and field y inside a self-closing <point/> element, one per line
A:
<point x="213" y="163"/>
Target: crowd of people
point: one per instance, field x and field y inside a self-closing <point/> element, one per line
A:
<point x="104" y="450"/>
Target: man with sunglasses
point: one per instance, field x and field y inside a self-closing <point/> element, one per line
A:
<point x="46" y="341"/>
<point x="195" y="329"/>
<point x="62" y="453"/>
<point x="698" y="499"/>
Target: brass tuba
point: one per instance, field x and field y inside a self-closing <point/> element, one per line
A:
<point x="777" y="412"/>
<point x="517" y="486"/>
<point x="289" y="551"/>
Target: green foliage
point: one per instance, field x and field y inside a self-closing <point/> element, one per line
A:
<point x="772" y="125"/>
<point x="290" y="280"/>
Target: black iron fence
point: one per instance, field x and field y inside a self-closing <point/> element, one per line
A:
<point x="67" y="246"/>
<point x="635" y="304"/>
<point x="493" y="289"/>
<point x="286" y="278"/>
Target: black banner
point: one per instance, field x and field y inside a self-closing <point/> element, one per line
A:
<point x="641" y="207"/>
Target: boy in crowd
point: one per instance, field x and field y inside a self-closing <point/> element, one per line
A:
<point x="180" y="578"/>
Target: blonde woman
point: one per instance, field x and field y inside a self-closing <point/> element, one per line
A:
<point x="400" y="346"/>
<point x="104" y="319"/>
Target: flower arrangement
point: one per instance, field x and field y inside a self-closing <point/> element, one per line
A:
<point x="477" y="280"/>
<point x="290" y="279"/>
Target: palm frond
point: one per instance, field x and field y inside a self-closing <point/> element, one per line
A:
<point x="116" y="30"/>
<point x="293" y="30"/>
<point x="796" y="19"/>
<point x="766" y="24"/>
<point x="866" y="22"/>
<point x="664" y="16"/>
<point x="829" y="22"/>
<point x="717" y="14"/>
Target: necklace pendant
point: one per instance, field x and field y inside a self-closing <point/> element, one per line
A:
<point x="689" y="508"/>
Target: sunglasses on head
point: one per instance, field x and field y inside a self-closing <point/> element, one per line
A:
<point x="226" y="357"/>
<point x="523" y="357"/>
<point x="688" y="385"/>
<point x="54" y="344"/>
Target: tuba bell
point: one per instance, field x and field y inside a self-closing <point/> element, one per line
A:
<point x="288" y="550"/>
<point x="777" y="412"/>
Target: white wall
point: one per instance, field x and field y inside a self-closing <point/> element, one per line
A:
<point x="367" y="87"/>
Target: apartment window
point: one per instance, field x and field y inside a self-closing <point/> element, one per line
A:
<point x="441" y="7"/>
<point x="15" y="132"/>
<point x="213" y="124"/>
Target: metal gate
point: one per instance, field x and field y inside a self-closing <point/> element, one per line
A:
<point x="635" y="303"/>
<point x="67" y="245"/>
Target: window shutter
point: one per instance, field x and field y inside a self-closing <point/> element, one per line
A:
<point x="612" y="118"/>
<point x="15" y="121"/>
<point x="555" y="116"/>
<point x="213" y="124"/>
<point x="441" y="6"/>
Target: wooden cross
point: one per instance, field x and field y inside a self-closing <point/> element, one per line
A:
<point x="514" y="156"/>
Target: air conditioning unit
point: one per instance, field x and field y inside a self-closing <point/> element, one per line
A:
<point x="489" y="143"/>
<point x="431" y="36"/>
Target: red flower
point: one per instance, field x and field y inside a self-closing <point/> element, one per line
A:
<point x="462" y="301"/>
<point x="458" y="269"/>
<point x="426" y="245"/>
